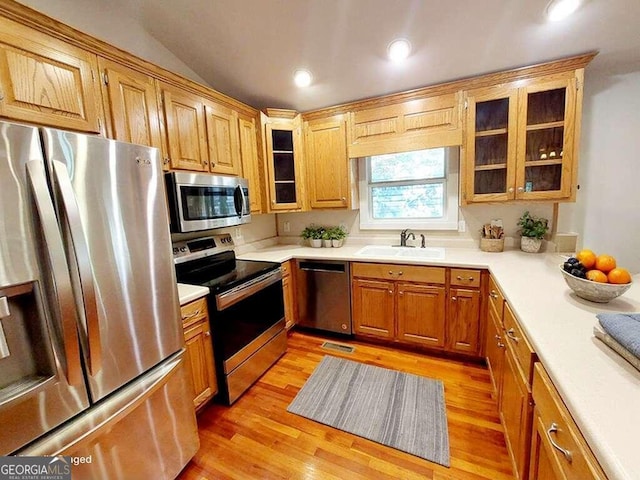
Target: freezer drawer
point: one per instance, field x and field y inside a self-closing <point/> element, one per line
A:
<point x="324" y="295"/>
<point x="146" y="430"/>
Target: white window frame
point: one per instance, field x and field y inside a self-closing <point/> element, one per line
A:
<point x="449" y="221"/>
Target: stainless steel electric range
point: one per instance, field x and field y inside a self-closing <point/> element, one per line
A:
<point x="246" y="309"/>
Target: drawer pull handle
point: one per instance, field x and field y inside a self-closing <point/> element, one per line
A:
<point x="493" y="294"/>
<point x="511" y="334"/>
<point x="553" y="429"/>
<point x="500" y="345"/>
<point x="463" y="278"/>
<point x="191" y="315"/>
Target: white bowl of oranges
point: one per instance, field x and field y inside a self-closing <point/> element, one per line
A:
<point x="595" y="277"/>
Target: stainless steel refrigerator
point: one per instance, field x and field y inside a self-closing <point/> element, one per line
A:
<point x="91" y="345"/>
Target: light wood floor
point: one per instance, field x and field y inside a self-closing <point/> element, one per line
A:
<point x="257" y="438"/>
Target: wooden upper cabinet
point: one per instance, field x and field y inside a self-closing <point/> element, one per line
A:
<point x="410" y="125"/>
<point x="250" y="160"/>
<point x="46" y="81"/>
<point x="185" y="129"/>
<point x="131" y="104"/>
<point x="327" y="162"/>
<point x="521" y="140"/>
<point x="222" y="136"/>
<point x="284" y="161"/>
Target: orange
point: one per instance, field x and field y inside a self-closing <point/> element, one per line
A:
<point x="596" y="276"/>
<point x="605" y="263"/>
<point x="619" y="275"/>
<point x="587" y="258"/>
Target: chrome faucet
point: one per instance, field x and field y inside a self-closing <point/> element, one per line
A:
<point x="404" y="236"/>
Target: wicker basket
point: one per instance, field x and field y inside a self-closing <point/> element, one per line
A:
<point x="492" y="244"/>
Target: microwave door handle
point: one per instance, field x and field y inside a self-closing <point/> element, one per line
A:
<point x="239" y="200"/>
<point x="64" y="190"/>
<point x="65" y="308"/>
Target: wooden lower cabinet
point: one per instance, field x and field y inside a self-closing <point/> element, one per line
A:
<point x="494" y="350"/>
<point x="463" y="322"/>
<point x="199" y="351"/>
<point x="558" y="450"/>
<point x="372" y="303"/>
<point x="421" y="314"/>
<point x="516" y="413"/>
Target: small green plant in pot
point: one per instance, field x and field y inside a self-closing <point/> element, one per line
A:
<point x="314" y="234"/>
<point x="532" y="229"/>
<point x="337" y="235"/>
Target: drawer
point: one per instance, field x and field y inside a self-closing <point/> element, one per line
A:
<point x="496" y="299"/>
<point x="286" y="268"/>
<point x="194" y="311"/>
<point x="555" y="426"/>
<point x="465" y="278"/>
<point x="406" y="273"/>
<point x="514" y="336"/>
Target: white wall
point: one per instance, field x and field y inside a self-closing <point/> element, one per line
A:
<point x="607" y="210"/>
<point x="102" y="19"/>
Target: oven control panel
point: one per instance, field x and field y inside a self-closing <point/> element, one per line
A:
<point x="201" y="247"/>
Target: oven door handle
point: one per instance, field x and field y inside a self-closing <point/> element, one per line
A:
<point x="239" y="293"/>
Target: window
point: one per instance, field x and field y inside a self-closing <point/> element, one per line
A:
<point x="410" y="190"/>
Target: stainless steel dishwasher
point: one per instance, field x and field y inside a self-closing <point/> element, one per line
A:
<point x="324" y="295"/>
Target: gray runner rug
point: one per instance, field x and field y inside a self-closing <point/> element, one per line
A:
<point x="400" y="410"/>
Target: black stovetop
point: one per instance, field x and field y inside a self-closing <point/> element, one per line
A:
<point x="221" y="272"/>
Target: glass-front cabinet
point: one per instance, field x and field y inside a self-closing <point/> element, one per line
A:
<point x="520" y="141"/>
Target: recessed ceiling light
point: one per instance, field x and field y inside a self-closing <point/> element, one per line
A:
<point x="561" y="9"/>
<point x="398" y="50"/>
<point x="302" y="78"/>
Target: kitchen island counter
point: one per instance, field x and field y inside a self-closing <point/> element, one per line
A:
<point x="600" y="389"/>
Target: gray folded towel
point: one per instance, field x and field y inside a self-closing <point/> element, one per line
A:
<point x="616" y="347"/>
<point x="624" y="328"/>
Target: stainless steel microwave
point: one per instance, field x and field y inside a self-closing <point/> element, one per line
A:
<point x="201" y="201"/>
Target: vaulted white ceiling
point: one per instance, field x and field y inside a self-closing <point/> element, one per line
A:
<point x="249" y="48"/>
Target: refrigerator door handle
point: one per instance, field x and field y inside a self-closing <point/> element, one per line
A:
<point x="65" y="307"/>
<point x="64" y="190"/>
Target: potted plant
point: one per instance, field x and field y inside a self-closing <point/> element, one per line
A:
<point x="326" y="237"/>
<point x="313" y="233"/>
<point x="337" y="235"/>
<point x="532" y="230"/>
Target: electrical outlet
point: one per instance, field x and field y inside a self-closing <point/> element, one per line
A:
<point x="462" y="226"/>
<point x="238" y="233"/>
<point x="286" y="226"/>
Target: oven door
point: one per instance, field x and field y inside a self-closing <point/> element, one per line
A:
<point x="248" y="331"/>
<point x="203" y="201"/>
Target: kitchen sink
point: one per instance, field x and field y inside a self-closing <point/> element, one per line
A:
<point x="435" y="253"/>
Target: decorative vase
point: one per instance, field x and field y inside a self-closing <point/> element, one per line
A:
<point x="530" y="244"/>
<point x="315" y="242"/>
<point x="337" y="243"/>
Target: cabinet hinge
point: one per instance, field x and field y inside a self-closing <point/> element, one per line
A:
<point x="466" y="104"/>
<point x="105" y="78"/>
<point x="578" y="85"/>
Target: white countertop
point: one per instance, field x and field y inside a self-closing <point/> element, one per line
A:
<point x="601" y="390"/>
<point x="189" y="293"/>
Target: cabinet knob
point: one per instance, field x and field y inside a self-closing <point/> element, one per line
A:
<point x="344" y="200"/>
<point x="165" y="160"/>
<point x="493" y="294"/>
<point x="204" y="162"/>
<point x="497" y="337"/>
<point x="390" y="272"/>
<point x="400" y="272"/>
<point x="390" y="292"/>
<point x="510" y="189"/>
<point x="401" y="293"/>
<point x="207" y="334"/>
<point x="521" y="189"/>
<point x="500" y="345"/>
<point x="454" y="298"/>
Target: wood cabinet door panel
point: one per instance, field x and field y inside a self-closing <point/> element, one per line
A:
<point x="199" y="352"/>
<point x="494" y="348"/>
<point x="185" y="129"/>
<point x="46" y="81"/>
<point x="327" y="162"/>
<point x="250" y="161"/>
<point x="373" y="308"/>
<point x="464" y="321"/>
<point x="515" y="337"/>
<point x="516" y="413"/>
<point x="289" y="301"/>
<point x="421" y="314"/>
<point x="222" y="135"/>
<point x="131" y="104"/>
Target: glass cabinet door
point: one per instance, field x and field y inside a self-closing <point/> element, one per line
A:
<point x="545" y="151"/>
<point x="491" y="140"/>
